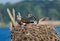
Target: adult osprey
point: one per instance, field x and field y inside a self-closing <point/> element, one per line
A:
<point x="22" y="20"/>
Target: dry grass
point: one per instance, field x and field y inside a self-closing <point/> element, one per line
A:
<point x="34" y="33"/>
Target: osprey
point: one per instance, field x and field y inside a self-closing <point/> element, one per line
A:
<point x="22" y="20"/>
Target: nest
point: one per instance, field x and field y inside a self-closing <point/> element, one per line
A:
<point x="34" y="33"/>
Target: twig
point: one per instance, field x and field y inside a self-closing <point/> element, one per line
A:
<point x="11" y="17"/>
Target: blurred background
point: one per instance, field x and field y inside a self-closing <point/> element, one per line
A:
<point x="40" y="8"/>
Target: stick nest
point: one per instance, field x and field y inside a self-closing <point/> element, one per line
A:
<point x="34" y="33"/>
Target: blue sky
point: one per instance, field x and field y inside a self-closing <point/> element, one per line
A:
<point x="11" y="1"/>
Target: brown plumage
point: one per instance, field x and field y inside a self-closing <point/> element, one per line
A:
<point x="20" y="19"/>
<point x="26" y="21"/>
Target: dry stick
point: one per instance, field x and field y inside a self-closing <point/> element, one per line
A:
<point x="11" y="17"/>
<point x="10" y="26"/>
<point x="13" y="13"/>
